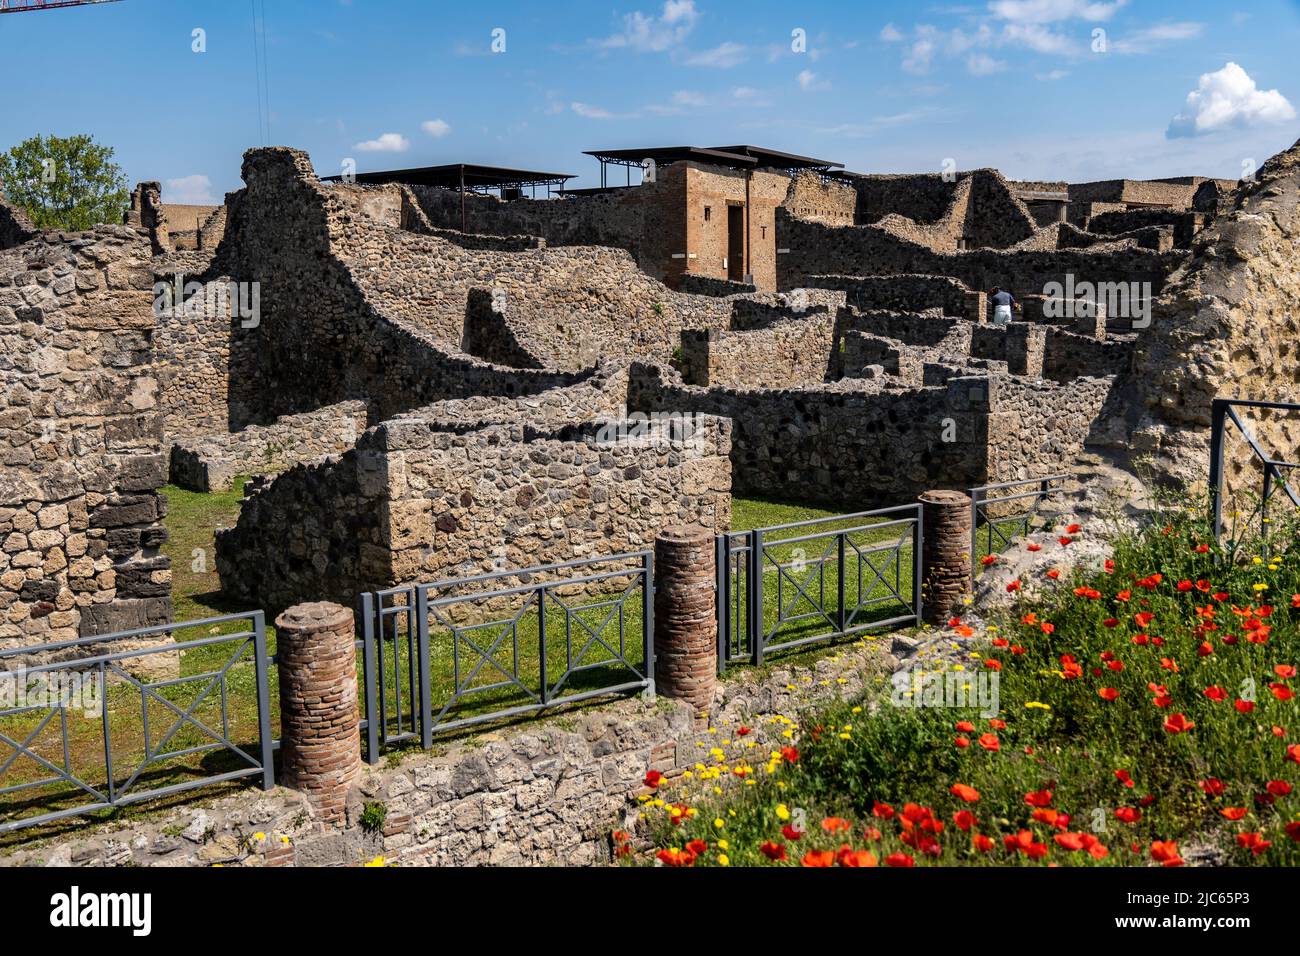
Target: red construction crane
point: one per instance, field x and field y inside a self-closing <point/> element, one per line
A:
<point x="21" y="6"/>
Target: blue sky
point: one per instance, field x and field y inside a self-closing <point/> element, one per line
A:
<point x="1181" y="86"/>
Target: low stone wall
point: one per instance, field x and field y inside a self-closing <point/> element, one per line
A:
<point x="787" y="354"/>
<point x="546" y="792"/>
<point x="212" y="462"/>
<point x="15" y="226"/>
<point x="907" y="293"/>
<point x="422" y="499"/>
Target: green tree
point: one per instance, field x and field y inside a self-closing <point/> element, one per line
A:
<point x="64" y="183"/>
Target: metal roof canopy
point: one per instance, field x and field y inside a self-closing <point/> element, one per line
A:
<point x="741" y="157"/>
<point x="734" y="157"/>
<point x="461" y="176"/>
<point x="19" y="6"/>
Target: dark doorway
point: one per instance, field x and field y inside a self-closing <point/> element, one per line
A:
<point x="736" y="243"/>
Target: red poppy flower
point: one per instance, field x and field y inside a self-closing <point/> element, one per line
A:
<point x="1216" y="694"/>
<point x="1033" y="547"/>
<point x="1115" y="665"/>
<point x="1284" y="671"/>
<point x="1202" y="549"/>
<point x="1244" y="706"/>
<point x="855" y="858"/>
<point x="1293" y="830"/>
<point x="1279" y="788"/>
<point x="675" y="857"/>
<point x="990" y="742"/>
<point x="964" y="792"/>
<point x="1144" y="619"/>
<point x="1071" y="841"/>
<point x="1234" y="813"/>
<point x="790" y="833"/>
<point x="1064" y="541"/>
<point x="1108" y="693"/>
<point x="962" y="742"/>
<point x="835" y="824"/>
<point x="898" y="859"/>
<point x="1124" y="777"/>
<point x="882" y="810"/>
<point x="773" y="851"/>
<point x="818" y="858"/>
<point x="988" y="559"/>
<point x="1281" y="691"/>
<point x="964" y="726"/>
<point x="697" y="848"/>
<point x="1213" y="786"/>
<point x="963" y="819"/>
<point x="983" y="844"/>
<point x="1039" y="798"/>
<point x="1054" y="574"/>
<point x="1110" y="622"/>
<point x="790" y="754"/>
<point x="1205" y="649"/>
<point x="743" y="731"/>
<point x="1254" y="842"/>
<point x="1013" y="586"/>
<point x="992" y="664"/>
<point x="653" y="778"/>
<point x="1128" y="814"/>
<point x="1293" y="753"/>
<point x="1074" y="529"/>
<point x="1178" y="724"/>
<point x="1166" y="853"/>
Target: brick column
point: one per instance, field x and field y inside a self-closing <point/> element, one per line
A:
<point x="686" y="616"/>
<point x="946" y="557"/>
<point x="320" y="729"/>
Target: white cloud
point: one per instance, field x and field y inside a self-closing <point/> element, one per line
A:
<point x="891" y="34"/>
<point x="436" y="128"/>
<point x="808" y="82"/>
<point x="588" y="111"/>
<point x="1053" y="11"/>
<point x="1143" y="41"/>
<point x="1053" y="76"/>
<point x="744" y="93"/>
<point x="981" y="64"/>
<point x="193" y="190"/>
<point x="920" y="55"/>
<point x="1228" y="99"/>
<point x="724" y="56"/>
<point x="387" y="143"/>
<point x="651" y="34"/>
<point x="1038" y="38"/>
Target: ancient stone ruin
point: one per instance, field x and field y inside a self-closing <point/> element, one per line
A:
<point x="568" y="376"/>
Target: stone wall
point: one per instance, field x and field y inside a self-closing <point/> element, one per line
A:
<point x="212" y="462"/>
<point x="1185" y="224"/>
<point x="80" y="439"/>
<point x="542" y="793"/>
<point x="436" y="494"/>
<point x="908" y="293"/>
<point x="786" y="354"/>
<point x="15" y="226"/>
<point x="1228" y="324"/>
<point x="819" y="250"/>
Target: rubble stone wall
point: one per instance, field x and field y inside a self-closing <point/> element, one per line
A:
<point x="80" y="439"/>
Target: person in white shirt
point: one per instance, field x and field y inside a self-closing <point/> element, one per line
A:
<point x="1002" y="305"/>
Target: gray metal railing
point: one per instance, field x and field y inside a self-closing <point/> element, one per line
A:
<point x="1001" y="531"/>
<point x="1222" y="412"/>
<point x="441" y="656"/>
<point x="774" y="596"/>
<point x="135" y="751"/>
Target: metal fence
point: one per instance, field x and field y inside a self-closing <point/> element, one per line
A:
<point x="441" y="656"/>
<point x="203" y="718"/>
<point x="1224" y="411"/>
<point x="807" y="582"/>
<point x="1004" y="514"/>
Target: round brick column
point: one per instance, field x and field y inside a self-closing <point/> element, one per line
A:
<point x="686" y="616"/>
<point x="945" y="554"/>
<point x="320" y="729"/>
